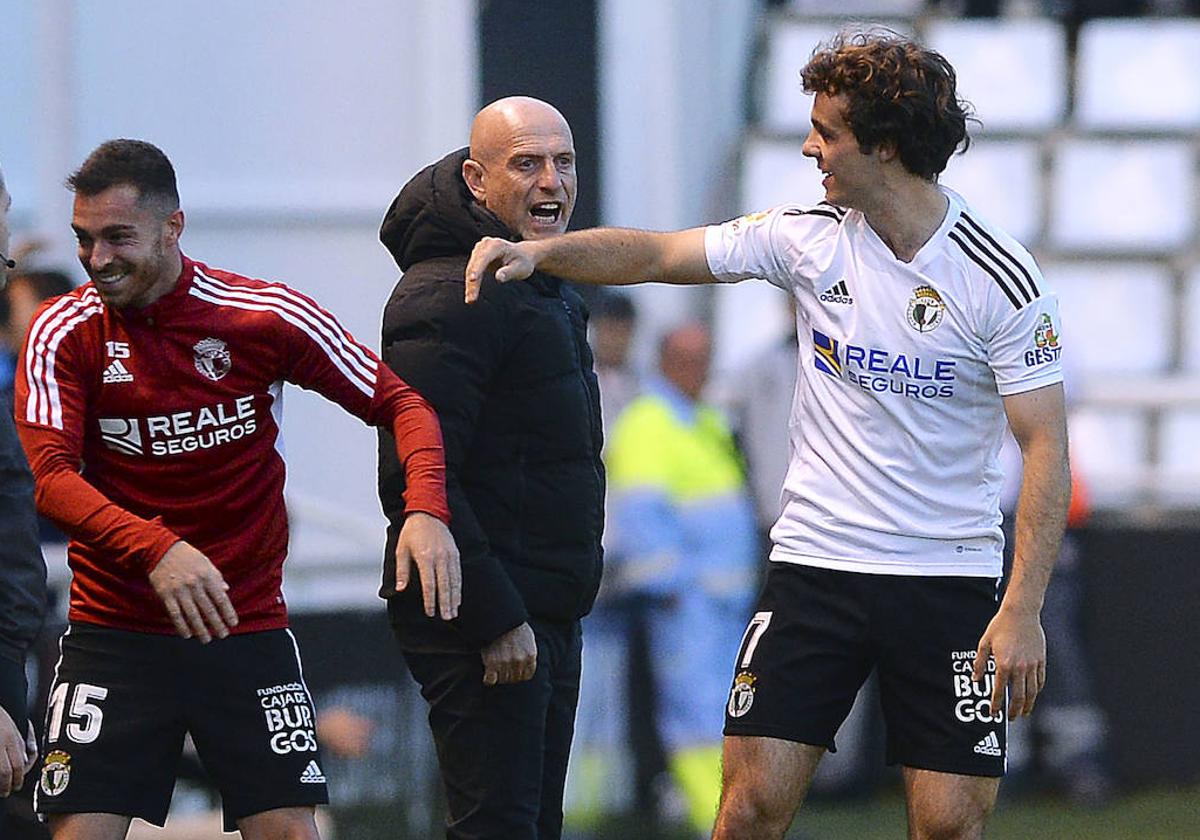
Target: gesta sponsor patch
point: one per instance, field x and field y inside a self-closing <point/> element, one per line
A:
<point x="1046" y="348"/>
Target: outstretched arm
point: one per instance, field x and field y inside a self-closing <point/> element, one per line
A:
<point x="331" y="362"/>
<point x="1015" y="637"/>
<point x="603" y="256"/>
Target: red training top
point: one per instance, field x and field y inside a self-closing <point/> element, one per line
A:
<point x="144" y="427"/>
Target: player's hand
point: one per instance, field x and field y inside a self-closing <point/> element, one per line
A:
<point x="426" y="542"/>
<point x="510" y="658"/>
<point x="510" y="261"/>
<point x="194" y="593"/>
<point x="1014" y="638"/>
<point x="14" y="759"/>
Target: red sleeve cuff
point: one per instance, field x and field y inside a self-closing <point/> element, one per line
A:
<point x="159" y="547"/>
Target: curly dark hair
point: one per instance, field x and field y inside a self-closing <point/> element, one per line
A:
<point x="898" y="92"/>
<point x="135" y="162"/>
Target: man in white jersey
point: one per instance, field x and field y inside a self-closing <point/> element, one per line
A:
<point x="921" y="329"/>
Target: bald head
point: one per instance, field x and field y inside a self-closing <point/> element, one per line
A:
<point x="683" y="358"/>
<point x="522" y="165"/>
<point x="495" y="123"/>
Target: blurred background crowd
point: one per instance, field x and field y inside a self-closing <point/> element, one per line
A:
<point x="293" y="123"/>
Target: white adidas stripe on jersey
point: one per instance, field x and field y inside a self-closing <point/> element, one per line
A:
<point x="304" y="305"/>
<point x="37" y="792"/>
<point x="297" y="303"/>
<point x="44" y="405"/>
<point x="347" y="356"/>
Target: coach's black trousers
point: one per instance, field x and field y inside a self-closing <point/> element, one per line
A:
<point x="503" y="749"/>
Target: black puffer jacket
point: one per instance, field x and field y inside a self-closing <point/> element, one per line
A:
<point x="511" y="378"/>
<point x="22" y="571"/>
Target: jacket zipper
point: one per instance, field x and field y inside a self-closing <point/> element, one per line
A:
<point x="593" y="410"/>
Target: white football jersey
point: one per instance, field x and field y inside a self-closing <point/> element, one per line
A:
<point x="897" y="417"/>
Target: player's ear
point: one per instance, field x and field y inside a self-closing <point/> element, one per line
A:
<point x="173" y="227"/>
<point x="472" y="173"/>
<point x="887" y="151"/>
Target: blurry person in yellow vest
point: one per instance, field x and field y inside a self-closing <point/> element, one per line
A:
<point x="685" y="545"/>
<point x="602" y="775"/>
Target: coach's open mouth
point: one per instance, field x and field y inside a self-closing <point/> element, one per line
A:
<point x="546" y="212"/>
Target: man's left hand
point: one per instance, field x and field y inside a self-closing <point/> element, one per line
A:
<point x="1014" y="638"/>
<point x="426" y="541"/>
<point x="14" y="755"/>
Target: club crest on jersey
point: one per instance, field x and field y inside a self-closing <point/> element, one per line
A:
<point x="1046" y="347"/>
<point x="749" y="219"/>
<point x="741" y="698"/>
<point x="925" y="309"/>
<point x="212" y="358"/>
<point x="1044" y="335"/>
<point x="56" y="773"/>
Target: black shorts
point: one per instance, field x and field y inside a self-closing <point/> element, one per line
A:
<point x="122" y="702"/>
<point x="816" y="636"/>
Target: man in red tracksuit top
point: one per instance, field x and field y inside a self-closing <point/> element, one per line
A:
<point x="149" y="402"/>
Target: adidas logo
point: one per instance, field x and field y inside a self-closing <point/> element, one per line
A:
<point x="116" y="372"/>
<point x="989" y="745"/>
<point x="312" y="775"/>
<point x="839" y="293"/>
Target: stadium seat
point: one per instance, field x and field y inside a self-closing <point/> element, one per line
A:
<point x="1190" y="344"/>
<point x="1003" y="181"/>
<point x="1014" y="72"/>
<point x="1138" y="75"/>
<point x="1111" y="448"/>
<point x="784" y="105"/>
<point x="1179" y="456"/>
<point x="858" y="8"/>
<point x="1116" y="317"/>
<point x="1122" y="196"/>
<point x="776" y="172"/>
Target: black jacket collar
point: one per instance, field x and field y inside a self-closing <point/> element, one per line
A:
<point x="435" y="215"/>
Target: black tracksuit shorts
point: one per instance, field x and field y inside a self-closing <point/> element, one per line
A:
<point x="817" y="634"/>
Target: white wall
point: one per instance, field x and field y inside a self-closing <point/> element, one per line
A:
<point x="291" y="124"/>
<point x="672" y="110"/>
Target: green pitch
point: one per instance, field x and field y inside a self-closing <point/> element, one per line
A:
<point x="1155" y="815"/>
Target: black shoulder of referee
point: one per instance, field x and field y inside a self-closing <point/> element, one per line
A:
<point x="511" y="379"/>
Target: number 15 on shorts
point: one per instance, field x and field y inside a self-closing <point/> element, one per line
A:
<point x="83" y="715"/>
